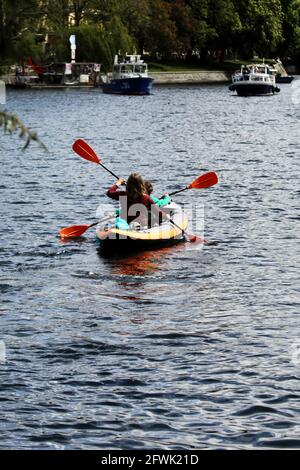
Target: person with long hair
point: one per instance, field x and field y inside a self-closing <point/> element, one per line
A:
<point x="163" y="201"/>
<point x="136" y="204"/>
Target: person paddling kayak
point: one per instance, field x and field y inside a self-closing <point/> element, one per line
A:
<point x="135" y="202"/>
<point x="163" y="201"/>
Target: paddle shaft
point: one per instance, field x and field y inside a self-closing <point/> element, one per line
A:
<point x="177" y="226"/>
<point x="194" y="237"/>
<point x="79" y="230"/>
<point x="179" y="191"/>
<point x="103" y="220"/>
<point x="105" y="168"/>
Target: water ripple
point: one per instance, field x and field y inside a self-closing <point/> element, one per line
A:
<point x="183" y="348"/>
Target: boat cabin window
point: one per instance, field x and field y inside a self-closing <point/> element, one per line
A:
<point x="130" y="68"/>
<point x="261" y="70"/>
<point x="245" y="70"/>
<point x="140" y="68"/>
<point x="124" y="68"/>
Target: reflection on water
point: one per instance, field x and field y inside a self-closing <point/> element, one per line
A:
<point x="140" y="263"/>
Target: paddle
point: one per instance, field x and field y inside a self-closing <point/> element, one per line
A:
<point x="191" y="238"/>
<point x="78" y="230"/>
<point x="204" y="181"/>
<point x="84" y="150"/>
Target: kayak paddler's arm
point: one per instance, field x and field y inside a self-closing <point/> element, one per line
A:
<point x="121" y="182"/>
<point x="163" y="201"/>
<point x="114" y="193"/>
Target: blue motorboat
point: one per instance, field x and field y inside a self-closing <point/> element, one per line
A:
<point x="129" y="77"/>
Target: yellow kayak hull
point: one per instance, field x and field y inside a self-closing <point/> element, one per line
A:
<point x="159" y="236"/>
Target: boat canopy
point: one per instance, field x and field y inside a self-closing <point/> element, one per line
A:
<point x="129" y="65"/>
<point x="130" y="68"/>
<point x="256" y="68"/>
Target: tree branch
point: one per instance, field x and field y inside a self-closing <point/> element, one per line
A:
<point x="12" y="123"/>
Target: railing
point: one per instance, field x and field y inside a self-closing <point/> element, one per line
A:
<point x="254" y="78"/>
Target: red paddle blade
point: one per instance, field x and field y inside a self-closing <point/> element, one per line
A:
<point x="205" y="181"/>
<point x="191" y="238"/>
<point x="83" y="149"/>
<point x="74" y="231"/>
<point x="194" y="238"/>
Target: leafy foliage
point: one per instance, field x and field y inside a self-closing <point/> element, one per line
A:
<point x="12" y="123"/>
<point x="17" y="18"/>
<point x="161" y="27"/>
<point x="291" y="28"/>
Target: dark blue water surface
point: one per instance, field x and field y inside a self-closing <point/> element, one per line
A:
<point x="176" y="349"/>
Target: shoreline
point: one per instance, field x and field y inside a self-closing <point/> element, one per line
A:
<point x="187" y="77"/>
<point x="190" y="77"/>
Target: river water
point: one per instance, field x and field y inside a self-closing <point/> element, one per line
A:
<point x="183" y="348"/>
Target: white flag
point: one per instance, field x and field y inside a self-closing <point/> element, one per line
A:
<point x="72" y="40"/>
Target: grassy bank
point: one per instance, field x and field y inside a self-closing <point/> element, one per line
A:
<point x="226" y="66"/>
<point x="158" y="67"/>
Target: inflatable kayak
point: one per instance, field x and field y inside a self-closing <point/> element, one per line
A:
<point x="114" y="239"/>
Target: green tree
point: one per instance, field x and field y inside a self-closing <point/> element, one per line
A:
<point x="136" y="16"/>
<point x="202" y="32"/>
<point x="291" y="29"/>
<point x="17" y="18"/>
<point x="224" y="22"/>
<point x="104" y="27"/>
<point x="161" y="31"/>
<point x="101" y="42"/>
<point x="97" y="24"/>
<point x="81" y="9"/>
<point x="261" y="30"/>
<point x="90" y="43"/>
<point x="118" y="36"/>
<point x="64" y="13"/>
<point x="55" y="14"/>
<point x="181" y="15"/>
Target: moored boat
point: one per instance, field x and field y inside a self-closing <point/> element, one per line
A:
<point x="114" y="240"/>
<point x="286" y="79"/>
<point x="129" y="77"/>
<point x="18" y="85"/>
<point x="254" y="79"/>
<point x="72" y="74"/>
<point x="281" y="74"/>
